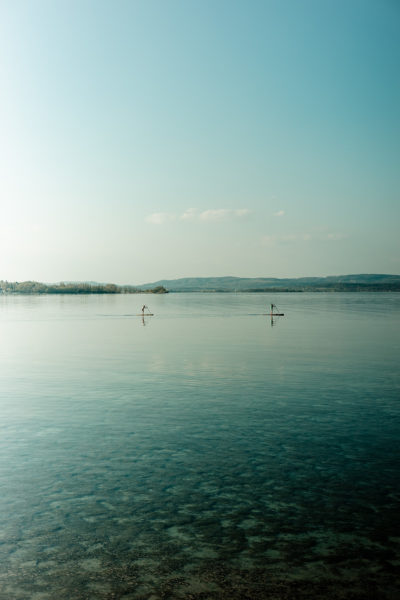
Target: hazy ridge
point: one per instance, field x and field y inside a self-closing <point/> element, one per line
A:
<point x="358" y="282"/>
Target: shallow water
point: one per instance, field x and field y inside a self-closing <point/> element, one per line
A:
<point x="202" y="453"/>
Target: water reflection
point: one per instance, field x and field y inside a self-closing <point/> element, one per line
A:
<point x="201" y="457"/>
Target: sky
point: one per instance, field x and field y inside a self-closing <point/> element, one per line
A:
<point x="158" y="139"/>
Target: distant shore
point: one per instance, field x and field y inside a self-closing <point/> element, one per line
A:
<point x="343" y="288"/>
<point x="35" y="287"/>
<point x="362" y="282"/>
<point x="226" y="285"/>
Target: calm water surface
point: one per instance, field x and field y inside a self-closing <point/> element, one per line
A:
<point x="205" y="453"/>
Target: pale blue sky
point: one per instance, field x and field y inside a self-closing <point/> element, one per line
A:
<point x="163" y="139"/>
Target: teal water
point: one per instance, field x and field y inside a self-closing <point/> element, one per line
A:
<point x="205" y="453"/>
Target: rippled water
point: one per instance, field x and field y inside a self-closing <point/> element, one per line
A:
<point x="203" y="453"/>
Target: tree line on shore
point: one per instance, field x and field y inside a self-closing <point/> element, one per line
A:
<point x="362" y="282"/>
<point x="35" y="287"/>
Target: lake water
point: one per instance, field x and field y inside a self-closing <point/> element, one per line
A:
<point x="203" y="453"/>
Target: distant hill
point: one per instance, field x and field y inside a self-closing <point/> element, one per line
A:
<point x="340" y="283"/>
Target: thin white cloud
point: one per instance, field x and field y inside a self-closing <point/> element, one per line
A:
<point x="279" y="213"/>
<point x="194" y="214"/>
<point x="241" y="212"/>
<point x="160" y="218"/>
<point x="190" y="214"/>
<point x="222" y="214"/>
<point x="216" y="214"/>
